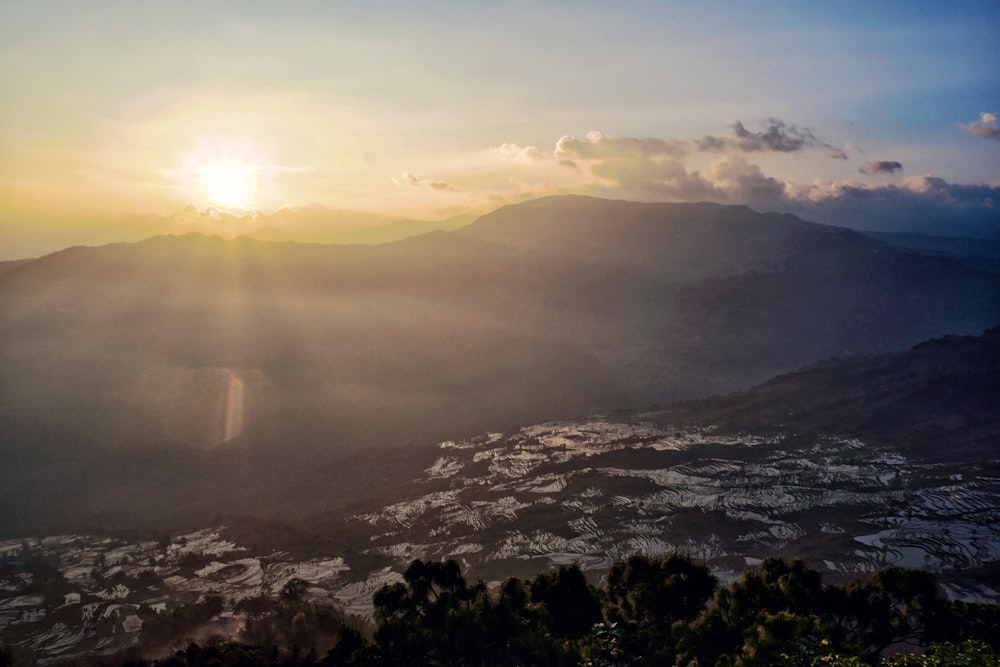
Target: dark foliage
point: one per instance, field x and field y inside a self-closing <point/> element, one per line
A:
<point x="653" y="611"/>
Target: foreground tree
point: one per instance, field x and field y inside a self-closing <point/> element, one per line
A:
<point x="434" y="618"/>
<point x="646" y="597"/>
<point x="653" y="611"/>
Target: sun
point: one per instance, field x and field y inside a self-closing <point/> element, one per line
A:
<point x="229" y="183"/>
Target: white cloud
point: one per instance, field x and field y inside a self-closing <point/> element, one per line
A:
<point x="744" y="182"/>
<point x="987" y="126"/>
<point x="599" y="146"/>
<point x="519" y="153"/>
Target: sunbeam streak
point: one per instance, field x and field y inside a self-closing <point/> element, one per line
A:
<point x="233" y="417"/>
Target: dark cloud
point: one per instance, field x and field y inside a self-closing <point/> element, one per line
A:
<point x="710" y="143"/>
<point x="777" y="136"/>
<point x="408" y="179"/>
<point x="881" y="167"/>
<point x="835" y="153"/>
<point x="925" y="205"/>
<point x="987" y="126"/>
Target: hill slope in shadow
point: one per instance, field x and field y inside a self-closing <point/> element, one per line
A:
<point x="936" y="401"/>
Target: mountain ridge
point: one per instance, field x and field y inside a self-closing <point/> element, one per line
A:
<point x="932" y="401"/>
<point x="333" y="350"/>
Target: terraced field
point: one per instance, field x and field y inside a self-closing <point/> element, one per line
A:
<point x="94" y="594"/>
<point x="595" y="491"/>
<point x="586" y="492"/>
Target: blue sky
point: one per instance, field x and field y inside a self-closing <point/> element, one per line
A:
<point x="429" y="109"/>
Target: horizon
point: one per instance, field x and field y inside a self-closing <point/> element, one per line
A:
<point x="378" y="230"/>
<point x="123" y="122"/>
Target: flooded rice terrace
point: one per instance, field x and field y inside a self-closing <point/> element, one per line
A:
<point x="586" y="492"/>
<point x="595" y="491"/>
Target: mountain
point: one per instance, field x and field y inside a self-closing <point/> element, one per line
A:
<point x="153" y="383"/>
<point x="11" y="264"/>
<point x="317" y="224"/>
<point x="936" y="401"/>
<point x="979" y="254"/>
<point x="402" y="229"/>
<point x="313" y="223"/>
<point x="958" y="246"/>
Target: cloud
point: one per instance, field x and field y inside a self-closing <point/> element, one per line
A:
<point x="408" y="179"/>
<point x="191" y="213"/>
<point x="743" y="182"/>
<point x="777" y="136"/>
<point x="836" y="153"/>
<point x="987" y="126"/>
<point x="654" y="169"/>
<point x="519" y="153"/>
<point x="638" y="166"/>
<point x="600" y="146"/>
<point x="880" y="167"/>
<point x="710" y="143"/>
<point x="922" y="204"/>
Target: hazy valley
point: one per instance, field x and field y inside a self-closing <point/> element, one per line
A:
<point x="229" y="361"/>
<point x="569" y="380"/>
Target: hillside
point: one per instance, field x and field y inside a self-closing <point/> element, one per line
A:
<point x="936" y="401"/>
<point x="156" y="381"/>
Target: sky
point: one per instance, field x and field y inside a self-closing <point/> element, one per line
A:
<point x="122" y="119"/>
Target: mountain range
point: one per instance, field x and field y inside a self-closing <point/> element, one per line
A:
<point x="151" y="383"/>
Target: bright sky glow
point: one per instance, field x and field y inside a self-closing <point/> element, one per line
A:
<point x="228" y="183"/>
<point x="117" y="110"/>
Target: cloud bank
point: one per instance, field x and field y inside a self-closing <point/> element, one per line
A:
<point x="655" y="169"/>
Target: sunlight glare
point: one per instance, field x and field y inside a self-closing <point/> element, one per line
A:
<point x="229" y="183"/>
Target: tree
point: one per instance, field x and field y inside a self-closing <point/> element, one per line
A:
<point x="571" y="603"/>
<point x="892" y="606"/>
<point x="435" y="618"/>
<point x="647" y="596"/>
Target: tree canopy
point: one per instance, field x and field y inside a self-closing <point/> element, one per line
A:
<point x="650" y="611"/>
